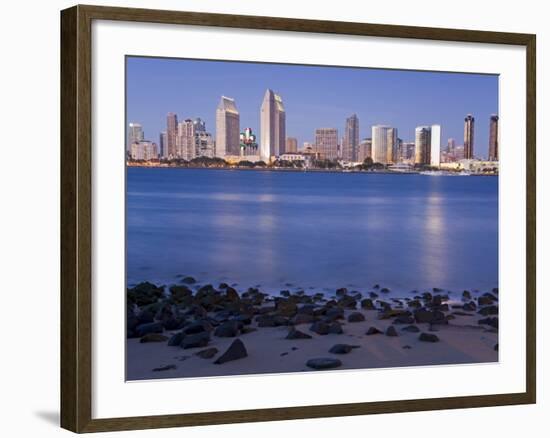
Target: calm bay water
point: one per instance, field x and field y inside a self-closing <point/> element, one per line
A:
<point x="320" y="230"/>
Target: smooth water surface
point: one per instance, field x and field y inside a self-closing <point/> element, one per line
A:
<point x="314" y="229"/>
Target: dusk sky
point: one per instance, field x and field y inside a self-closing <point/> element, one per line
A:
<point x="314" y="97"/>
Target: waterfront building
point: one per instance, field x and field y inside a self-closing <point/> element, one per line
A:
<point x="162" y="145"/>
<point x="459" y="153"/>
<point x="326" y="143"/>
<point x="364" y="150"/>
<point x="291" y="145"/>
<point x="406" y="152"/>
<point x="493" y="138"/>
<point x="171" y="135"/>
<point x="144" y="151"/>
<point x="384" y="144"/>
<point x="308" y="147"/>
<point x="435" y="149"/>
<point x="469" y="123"/>
<point x="422" y="145"/>
<point x="135" y="134"/>
<point x="350" y="142"/>
<point x="451" y="144"/>
<point x="227" y="128"/>
<point x="204" y="145"/>
<point x="272" y="126"/>
<point x="185" y="140"/>
<point x="292" y="156"/>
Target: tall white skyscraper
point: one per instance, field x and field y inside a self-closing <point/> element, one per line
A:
<point x="272" y="126"/>
<point x="227" y="128"/>
<point x="435" y="150"/>
<point x="384" y="144"/>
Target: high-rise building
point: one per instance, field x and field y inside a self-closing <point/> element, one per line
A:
<point x="350" y="143"/>
<point x="493" y="138"/>
<point x="227" y="128"/>
<point x="199" y="125"/>
<point x="365" y="150"/>
<point x="435" y="148"/>
<point x="135" y="135"/>
<point x="326" y="143"/>
<point x="469" y="123"/>
<point x="406" y="151"/>
<point x="185" y="140"/>
<point x="144" y="150"/>
<point x="451" y="144"/>
<point x="422" y="145"/>
<point x="171" y="134"/>
<point x="291" y="145"/>
<point x="204" y="145"/>
<point x="272" y="126"/>
<point x="384" y="144"/>
<point x="163" y="145"/>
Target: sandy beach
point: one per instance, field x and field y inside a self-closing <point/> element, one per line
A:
<point x="184" y="330"/>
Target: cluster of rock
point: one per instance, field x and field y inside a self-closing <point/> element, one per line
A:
<point x="194" y="317"/>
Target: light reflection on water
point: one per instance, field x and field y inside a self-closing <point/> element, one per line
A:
<point x="314" y="229"/>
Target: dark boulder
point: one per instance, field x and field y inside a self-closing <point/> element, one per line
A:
<point x="175" y="340"/>
<point x="228" y="329"/>
<point x="335" y="328"/>
<point x="320" y="327"/>
<point x="391" y="331"/>
<point x="188" y="280"/>
<point x="428" y="337"/>
<point x="196" y="340"/>
<point x="367" y="304"/>
<point x="342" y="348"/>
<point x="197" y="327"/>
<point x="411" y="329"/>
<point x="209" y="353"/>
<point x="490" y="321"/>
<point x="153" y="337"/>
<point x="323" y="363"/>
<point x="236" y="350"/>
<point x="489" y="310"/>
<point x="151" y="327"/>
<point x="373" y="331"/>
<point x="356" y="317"/>
<point x="297" y="334"/>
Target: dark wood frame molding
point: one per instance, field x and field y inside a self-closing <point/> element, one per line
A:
<point x="76" y="179"/>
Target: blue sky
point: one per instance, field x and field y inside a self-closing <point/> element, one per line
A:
<point x="313" y="96"/>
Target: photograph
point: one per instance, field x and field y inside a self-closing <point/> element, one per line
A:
<point x="285" y="218"/>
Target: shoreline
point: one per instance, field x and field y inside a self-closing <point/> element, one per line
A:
<point x="315" y="170"/>
<point x="185" y="331"/>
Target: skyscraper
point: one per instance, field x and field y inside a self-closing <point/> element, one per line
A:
<point x="365" y="149"/>
<point x="469" y="122"/>
<point x="350" y="143"/>
<point x="291" y="145"/>
<point x="451" y="144"/>
<point x="384" y="144"/>
<point x="135" y="135"/>
<point x="171" y="134"/>
<point x="422" y="145"/>
<point x="199" y="125"/>
<point x="185" y="140"/>
<point x="163" y="144"/>
<point x="272" y="126"/>
<point x="227" y="128"/>
<point x="326" y="143"/>
<point x="493" y="138"/>
<point x="435" y="148"/>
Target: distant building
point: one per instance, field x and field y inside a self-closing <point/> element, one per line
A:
<point x="435" y="149"/>
<point x="171" y="134"/>
<point x="350" y="142"/>
<point x="163" y="145"/>
<point x="135" y="134"/>
<point x="406" y="152"/>
<point x="384" y="144"/>
<point x="199" y="125"/>
<point x="144" y="151"/>
<point x="292" y="156"/>
<point x="326" y="143"/>
<point x="227" y="128"/>
<point x="308" y="147"/>
<point x="459" y="153"/>
<point x="272" y="126"/>
<point x="291" y="145"/>
<point x="422" y="145"/>
<point x="204" y="145"/>
<point x="493" y="138"/>
<point x="365" y="150"/>
<point x="451" y="144"/>
<point x="185" y="140"/>
<point x="469" y="123"/>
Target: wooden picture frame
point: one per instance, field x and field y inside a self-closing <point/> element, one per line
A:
<point x="76" y="217"/>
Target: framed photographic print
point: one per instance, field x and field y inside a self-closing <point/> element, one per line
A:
<point x="268" y="218"/>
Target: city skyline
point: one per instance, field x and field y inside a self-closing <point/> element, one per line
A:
<point x="345" y="92"/>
